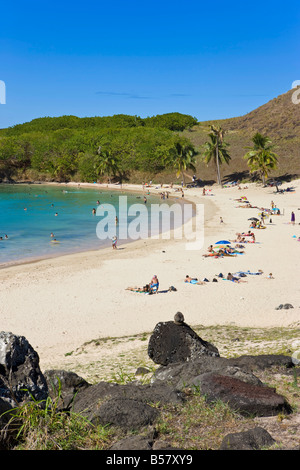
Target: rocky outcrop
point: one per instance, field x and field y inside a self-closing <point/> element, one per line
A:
<point x="156" y="393"/>
<point x="186" y="363"/>
<point x="183" y="374"/>
<point x="133" y="443"/>
<point x="175" y="341"/>
<point x="246" y="398"/>
<point x="20" y="374"/>
<point x="253" y="439"/>
<point x="7" y="433"/>
<point x="20" y="380"/>
<point x="63" y="386"/>
<point x="125" y="413"/>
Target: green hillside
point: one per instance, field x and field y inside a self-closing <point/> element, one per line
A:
<point x="130" y="148"/>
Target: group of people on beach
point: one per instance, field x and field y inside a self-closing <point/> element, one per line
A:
<point x="236" y="277"/>
<point x="227" y="249"/>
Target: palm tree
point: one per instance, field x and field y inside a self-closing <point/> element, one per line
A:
<point x="260" y="157"/>
<point x="182" y="157"/>
<point x="216" y="150"/>
<point x="106" y="163"/>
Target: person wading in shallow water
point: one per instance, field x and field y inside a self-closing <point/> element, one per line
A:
<point x="114" y="243"/>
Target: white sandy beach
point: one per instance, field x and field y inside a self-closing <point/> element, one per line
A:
<point x="58" y="304"/>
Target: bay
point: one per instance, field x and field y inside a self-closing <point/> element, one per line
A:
<point x="30" y="213"/>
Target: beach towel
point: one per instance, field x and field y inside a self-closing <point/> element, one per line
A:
<point x="248" y="272"/>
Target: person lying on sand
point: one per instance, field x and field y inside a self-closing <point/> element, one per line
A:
<point x="146" y="288"/>
<point x="248" y="206"/>
<point x="239" y="238"/>
<point x="221" y="252"/>
<point x="228" y="250"/>
<point x="193" y="280"/>
<point x="230" y="277"/>
<point x="248" y="234"/>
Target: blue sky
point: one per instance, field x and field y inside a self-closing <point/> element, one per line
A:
<point x="212" y="60"/>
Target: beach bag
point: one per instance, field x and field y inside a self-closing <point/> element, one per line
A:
<point x="172" y="289"/>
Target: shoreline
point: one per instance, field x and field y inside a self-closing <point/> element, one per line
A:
<point x="58" y="304"/>
<point x="92" y="186"/>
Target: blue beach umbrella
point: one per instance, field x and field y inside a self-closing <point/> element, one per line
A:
<point x="223" y="242"/>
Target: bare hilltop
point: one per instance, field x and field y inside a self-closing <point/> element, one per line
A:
<point x="279" y="119"/>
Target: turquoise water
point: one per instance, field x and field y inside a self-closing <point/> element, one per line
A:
<point x="74" y="226"/>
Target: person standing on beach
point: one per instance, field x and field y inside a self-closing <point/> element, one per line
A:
<point x="293" y="218"/>
<point x="114" y="243"/>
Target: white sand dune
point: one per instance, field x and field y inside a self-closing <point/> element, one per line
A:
<point x="58" y="304"/>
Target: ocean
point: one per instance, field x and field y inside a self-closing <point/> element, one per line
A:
<point x="44" y="221"/>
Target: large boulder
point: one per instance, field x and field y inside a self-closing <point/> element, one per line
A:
<point x="175" y="341"/>
<point x="8" y="431"/>
<point x="88" y="399"/>
<point x="253" y="439"/>
<point x="181" y="374"/>
<point x="63" y="386"/>
<point x="243" y="397"/>
<point x="263" y="361"/>
<point x="20" y="374"/>
<point x="125" y="413"/>
<point x="133" y="443"/>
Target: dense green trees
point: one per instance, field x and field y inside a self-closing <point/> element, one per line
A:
<point x="171" y="121"/>
<point x="89" y="148"/>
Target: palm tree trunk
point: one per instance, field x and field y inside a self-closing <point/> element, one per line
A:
<point x="218" y="165"/>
